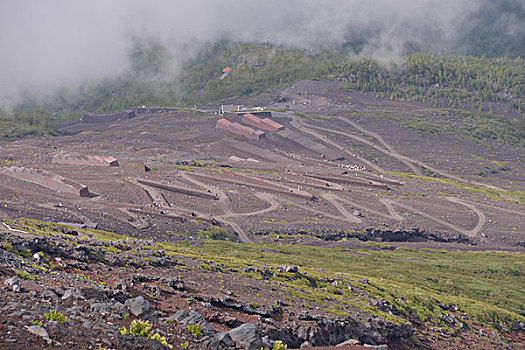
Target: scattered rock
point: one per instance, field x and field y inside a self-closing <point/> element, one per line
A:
<point x="225" y="339"/>
<point x="179" y="316"/>
<point x="193" y="317"/>
<point x="40" y="331"/>
<point x="176" y="284"/>
<point x="100" y="308"/>
<point x="49" y="294"/>
<point x="377" y="347"/>
<point x="247" y="336"/>
<point x="137" y="306"/>
<point x="291" y="269"/>
<point x="73" y="294"/>
<point x="350" y="342"/>
<point x="305" y="345"/>
<point x="14" y="283"/>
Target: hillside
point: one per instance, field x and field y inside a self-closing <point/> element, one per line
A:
<point x="359" y="205"/>
<point x="485" y="89"/>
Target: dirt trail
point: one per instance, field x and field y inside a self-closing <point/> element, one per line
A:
<point x="388" y="203"/>
<point x="410" y="160"/>
<point x="428" y="167"/>
<point x="334" y="200"/>
<point x="224" y="201"/>
<point x="394" y="215"/>
<point x="470" y="233"/>
<point x="383" y="142"/>
<point x="345" y="214"/>
<point x="5" y="228"/>
<point x="156" y="197"/>
<point x="479" y="213"/>
<point x="328" y="215"/>
<point x="266" y="197"/>
<point x="389" y="153"/>
<point x="505" y="210"/>
<point x="299" y="126"/>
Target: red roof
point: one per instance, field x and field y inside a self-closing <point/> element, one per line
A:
<point x="227" y="70"/>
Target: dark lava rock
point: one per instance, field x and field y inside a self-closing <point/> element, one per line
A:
<point x="248" y="336"/>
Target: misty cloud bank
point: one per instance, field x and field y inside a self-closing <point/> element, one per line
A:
<point x="57" y="43"/>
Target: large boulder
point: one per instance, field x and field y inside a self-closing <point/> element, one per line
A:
<point x="40" y="331"/>
<point x="137" y="306"/>
<point x="74" y="293"/>
<point x="193" y="317"/>
<point x="247" y="336"/>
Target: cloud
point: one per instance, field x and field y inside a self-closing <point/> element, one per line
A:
<point x="56" y="43"/>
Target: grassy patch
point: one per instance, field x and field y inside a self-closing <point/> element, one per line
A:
<point x="25" y="275"/>
<point x="310" y="116"/>
<point x="519" y="196"/>
<point x="485" y="285"/>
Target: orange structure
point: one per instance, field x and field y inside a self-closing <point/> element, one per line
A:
<point x="46" y="179"/>
<point x="240" y="129"/>
<point x="264" y="124"/>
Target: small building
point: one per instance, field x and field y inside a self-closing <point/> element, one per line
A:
<point x="230" y="108"/>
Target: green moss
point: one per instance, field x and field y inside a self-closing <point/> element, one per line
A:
<point x="25" y="275"/>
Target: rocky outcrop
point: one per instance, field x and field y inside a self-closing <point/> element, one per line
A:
<point x="383" y="235"/>
<point x="323" y="331"/>
<point x="191" y="318"/>
<point x="232" y="304"/>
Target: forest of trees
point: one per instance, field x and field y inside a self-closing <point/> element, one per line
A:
<point x="479" y="85"/>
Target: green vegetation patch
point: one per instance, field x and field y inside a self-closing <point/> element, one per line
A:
<point x="55" y="316"/>
<point x="518" y="196"/>
<point x="24" y="122"/>
<point x="140" y="328"/>
<point x="485" y="285"/>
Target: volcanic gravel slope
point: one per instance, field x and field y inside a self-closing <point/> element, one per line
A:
<point x="100" y="282"/>
<point x="389" y="177"/>
<point x="339" y="173"/>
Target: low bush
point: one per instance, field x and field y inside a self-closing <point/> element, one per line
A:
<point x="140" y="328"/>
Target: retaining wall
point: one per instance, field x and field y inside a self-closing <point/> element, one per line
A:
<point x="92" y="118"/>
<point x="47" y="179"/>
<point x="79" y="159"/>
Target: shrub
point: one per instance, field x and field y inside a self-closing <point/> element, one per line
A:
<point x="140" y="328"/>
<point x="24" y="275"/>
<point x="195" y="329"/>
<point x="216" y="233"/>
<point x="278" y="345"/>
<point x="56" y="316"/>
